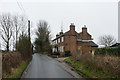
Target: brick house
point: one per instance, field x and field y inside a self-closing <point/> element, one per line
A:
<point x="73" y="41"/>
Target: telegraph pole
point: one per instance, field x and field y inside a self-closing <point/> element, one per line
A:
<point x="29" y="29"/>
<point x="31" y="46"/>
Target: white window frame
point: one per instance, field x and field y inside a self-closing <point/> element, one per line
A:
<point x="53" y="50"/>
<point x="62" y="39"/>
<point x="59" y="40"/>
<point x="62" y="48"/>
<point x="55" y="41"/>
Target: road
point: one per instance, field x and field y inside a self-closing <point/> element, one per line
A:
<point x="43" y="66"/>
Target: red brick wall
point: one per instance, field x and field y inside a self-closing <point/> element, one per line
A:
<point x="67" y="43"/>
<point x="84" y="47"/>
<point x="73" y="43"/>
<point x="70" y="41"/>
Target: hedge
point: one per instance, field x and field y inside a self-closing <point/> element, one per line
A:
<point x="109" y="51"/>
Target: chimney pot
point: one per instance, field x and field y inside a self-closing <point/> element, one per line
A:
<point x="72" y="23"/>
<point x="61" y="33"/>
<point x="57" y="35"/>
<point x="85" y="26"/>
<point x="84" y="29"/>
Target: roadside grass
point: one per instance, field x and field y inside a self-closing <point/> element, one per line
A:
<point x="87" y="71"/>
<point x="17" y="72"/>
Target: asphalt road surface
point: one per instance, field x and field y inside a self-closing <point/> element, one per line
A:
<point x="43" y="66"/>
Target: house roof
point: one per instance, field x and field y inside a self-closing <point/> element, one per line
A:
<point x="115" y="45"/>
<point x="92" y="44"/>
<point x="66" y="33"/>
<point x="83" y="40"/>
<point x="59" y="36"/>
<point x="81" y="33"/>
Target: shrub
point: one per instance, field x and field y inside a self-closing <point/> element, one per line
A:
<point x="109" y="51"/>
<point x="104" y="63"/>
<point x="56" y="53"/>
<point x="10" y="60"/>
<point x="119" y="50"/>
<point x="24" y="47"/>
<point x="67" y="53"/>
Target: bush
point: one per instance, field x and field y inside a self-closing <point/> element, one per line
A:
<point x="67" y="53"/>
<point x="24" y="47"/>
<point x="107" y="63"/>
<point x="118" y="49"/>
<point x="10" y="60"/>
<point x="109" y="51"/>
<point x="56" y="53"/>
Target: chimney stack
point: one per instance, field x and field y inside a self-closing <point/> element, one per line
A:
<point x="84" y="29"/>
<point x="72" y="28"/>
<point x="57" y="35"/>
<point x="61" y="32"/>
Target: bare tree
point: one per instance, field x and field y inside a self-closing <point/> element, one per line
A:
<point x="23" y="24"/>
<point x="19" y="26"/>
<point x="6" y="27"/>
<point x="11" y="27"/>
<point x="107" y="40"/>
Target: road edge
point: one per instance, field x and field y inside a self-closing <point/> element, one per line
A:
<point x="25" y="70"/>
<point x="69" y="69"/>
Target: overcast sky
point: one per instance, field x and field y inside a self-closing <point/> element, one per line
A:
<point x="100" y="16"/>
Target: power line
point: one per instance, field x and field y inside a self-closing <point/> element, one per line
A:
<point x="20" y="6"/>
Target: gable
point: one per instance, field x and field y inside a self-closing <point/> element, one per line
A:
<point x="84" y="36"/>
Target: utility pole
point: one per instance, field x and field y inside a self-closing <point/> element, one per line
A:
<point x="31" y="46"/>
<point x="29" y="29"/>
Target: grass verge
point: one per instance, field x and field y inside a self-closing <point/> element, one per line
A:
<point x="86" y="71"/>
<point x="17" y="72"/>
